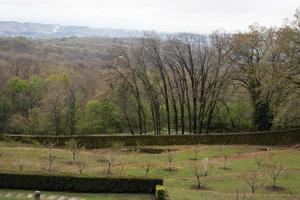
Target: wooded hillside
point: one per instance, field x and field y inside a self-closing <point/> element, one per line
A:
<point x="183" y="83"/>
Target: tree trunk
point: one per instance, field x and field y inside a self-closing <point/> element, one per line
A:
<point x="198" y="183"/>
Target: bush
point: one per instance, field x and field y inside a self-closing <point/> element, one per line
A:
<point x="160" y="192"/>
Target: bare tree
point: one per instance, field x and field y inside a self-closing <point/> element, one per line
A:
<point x="196" y="150"/>
<point x="184" y="73"/>
<point x="110" y="160"/>
<point x="275" y="170"/>
<point x="121" y="170"/>
<point x="81" y="165"/>
<point x="200" y="67"/>
<point x="208" y="165"/>
<point x="149" y="80"/>
<point x="147" y="166"/>
<point x="123" y="64"/>
<point x="225" y="156"/>
<point x="170" y="159"/>
<point x="50" y="157"/>
<point x="200" y="169"/>
<point x="75" y="148"/>
<point x="263" y="161"/>
<point x="20" y="162"/>
<point x="240" y="196"/>
<point x="1" y="151"/>
<point x="153" y="56"/>
<point x="253" y="180"/>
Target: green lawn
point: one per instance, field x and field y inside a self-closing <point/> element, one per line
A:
<point x="220" y="183"/>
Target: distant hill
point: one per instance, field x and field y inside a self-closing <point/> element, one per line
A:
<point x="36" y="30"/>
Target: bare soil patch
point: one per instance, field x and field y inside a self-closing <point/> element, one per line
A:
<point x="274" y="189"/>
<point x="203" y="187"/>
<point x="71" y="162"/>
<point x="172" y="169"/>
<point x="150" y="150"/>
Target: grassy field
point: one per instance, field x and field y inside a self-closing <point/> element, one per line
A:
<point x="219" y="184"/>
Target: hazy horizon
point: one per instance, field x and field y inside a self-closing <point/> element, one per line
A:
<point x="163" y="16"/>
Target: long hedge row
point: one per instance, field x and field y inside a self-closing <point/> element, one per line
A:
<point x="78" y="184"/>
<point x="256" y="138"/>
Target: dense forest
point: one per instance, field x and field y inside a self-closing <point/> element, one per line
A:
<point x="177" y="84"/>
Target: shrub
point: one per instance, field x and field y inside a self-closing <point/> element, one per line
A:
<point x="160" y="192"/>
<point x="117" y="145"/>
<point x="138" y="147"/>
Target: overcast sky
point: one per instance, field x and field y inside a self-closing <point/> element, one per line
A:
<point x="201" y="16"/>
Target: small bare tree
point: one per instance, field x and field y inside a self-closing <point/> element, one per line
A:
<point x="170" y="158"/>
<point x="199" y="169"/>
<point x="81" y="165"/>
<point x="1" y="151"/>
<point x="121" y="170"/>
<point x="253" y="180"/>
<point x="50" y="158"/>
<point x="260" y="162"/>
<point x="147" y="166"/>
<point x="208" y="164"/>
<point x="75" y="148"/>
<point x="239" y="195"/>
<point x="225" y="156"/>
<point x="110" y="160"/>
<point x="196" y="149"/>
<point x="275" y="170"/>
<point x="20" y="163"/>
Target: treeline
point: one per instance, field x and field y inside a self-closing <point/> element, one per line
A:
<point x="190" y="83"/>
<point x="183" y="83"/>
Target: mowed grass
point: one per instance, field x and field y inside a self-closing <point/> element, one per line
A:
<point x="220" y="183"/>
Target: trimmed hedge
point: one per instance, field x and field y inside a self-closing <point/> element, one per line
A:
<point x="78" y="184"/>
<point x="283" y="137"/>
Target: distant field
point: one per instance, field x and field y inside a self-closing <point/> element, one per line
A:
<point x="220" y="183"/>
